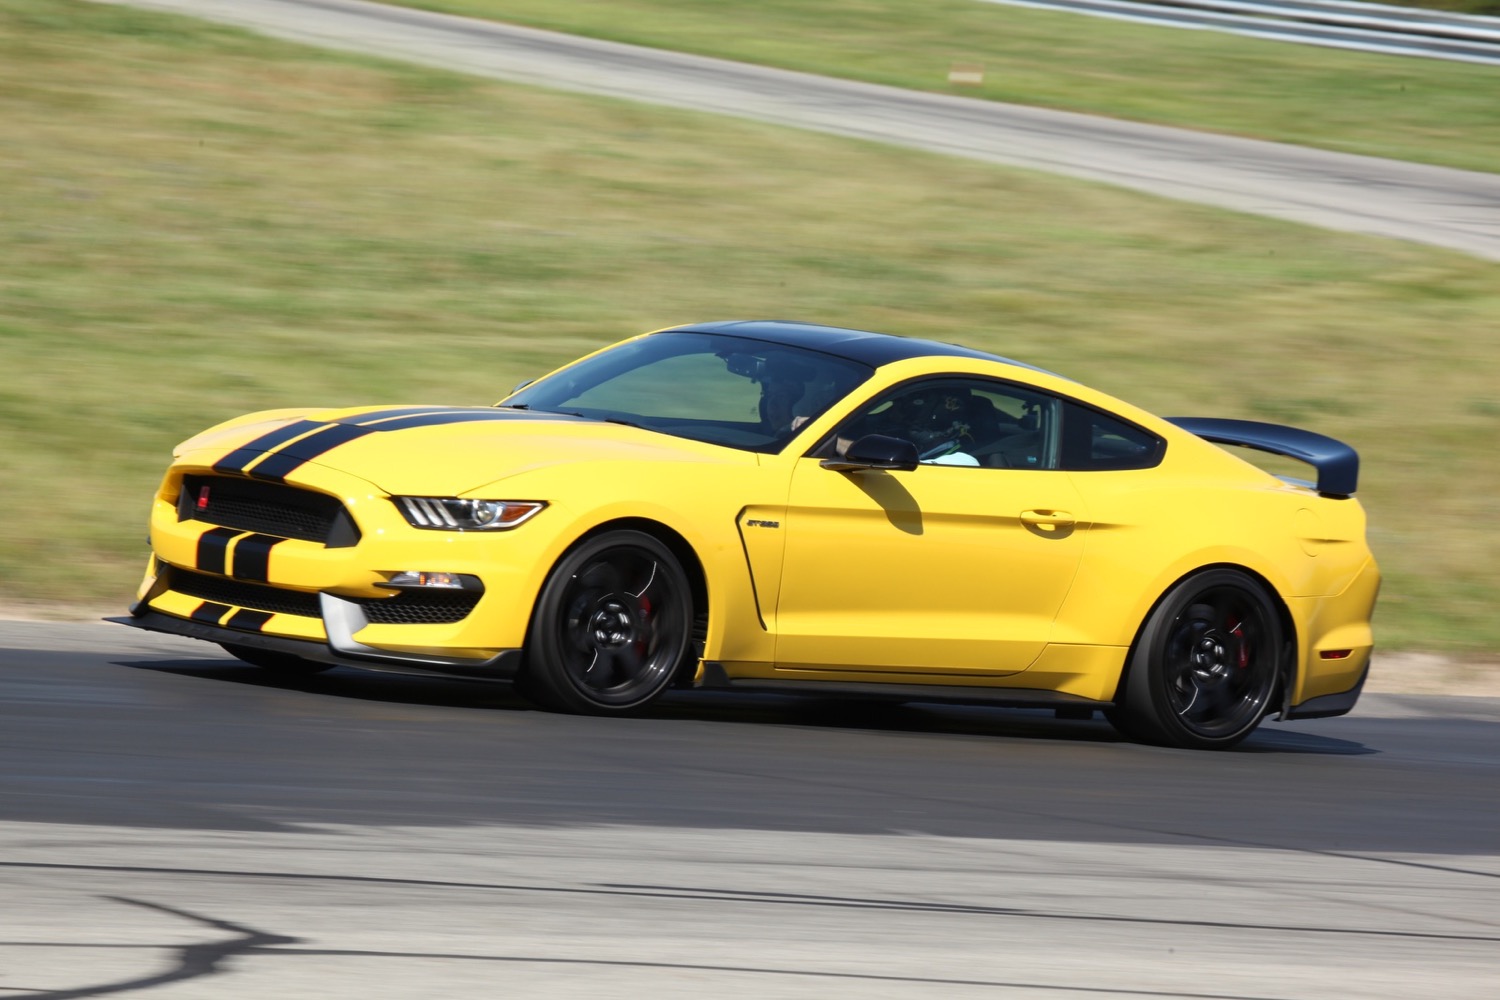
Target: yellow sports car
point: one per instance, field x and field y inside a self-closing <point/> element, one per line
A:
<point x="775" y="506"/>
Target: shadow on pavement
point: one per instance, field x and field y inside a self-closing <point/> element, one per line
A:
<point x="816" y="711"/>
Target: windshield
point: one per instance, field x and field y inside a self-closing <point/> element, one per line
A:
<point x="742" y="393"/>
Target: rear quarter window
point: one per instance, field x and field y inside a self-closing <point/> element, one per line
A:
<point x="1097" y="441"/>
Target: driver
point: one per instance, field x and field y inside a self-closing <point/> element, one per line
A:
<point x="778" y="405"/>
<point x="942" y="421"/>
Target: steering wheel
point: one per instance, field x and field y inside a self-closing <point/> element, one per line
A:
<point x="948" y="444"/>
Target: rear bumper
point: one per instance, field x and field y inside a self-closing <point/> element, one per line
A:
<point x="1336" y="646"/>
<point x="340" y="649"/>
<point x="1329" y="705"/>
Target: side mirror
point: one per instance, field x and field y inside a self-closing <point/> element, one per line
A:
<point x="875" y="451"/>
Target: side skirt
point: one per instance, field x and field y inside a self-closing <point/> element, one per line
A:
<point x="715" y="678"/>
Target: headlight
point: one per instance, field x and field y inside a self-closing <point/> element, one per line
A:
<point x="453" y="514"/>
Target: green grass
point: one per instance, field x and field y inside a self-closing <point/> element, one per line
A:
<point x="1425" y="110"/>
<point x="197" y="223"/>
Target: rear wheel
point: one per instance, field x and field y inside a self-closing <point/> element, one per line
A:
<point x="1206" y="665"/>
<point x="611" y="627"/>
<point x="281" y="664"/>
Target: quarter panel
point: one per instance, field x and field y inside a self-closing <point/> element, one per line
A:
<point x="1153" y="527"/>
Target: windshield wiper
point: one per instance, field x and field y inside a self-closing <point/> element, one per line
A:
<point x="571" y="413"/>
<point x="532" y="409"/>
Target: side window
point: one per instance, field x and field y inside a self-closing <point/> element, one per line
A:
<point x="1096" y="441"/>
<point x="966" y="422"/>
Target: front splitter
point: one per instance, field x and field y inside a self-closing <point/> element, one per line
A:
<point x="501" y="667"/>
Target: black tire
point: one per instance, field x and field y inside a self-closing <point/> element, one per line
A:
<point x="1206" y="666"/>
<point x="612" y="626"/>
<point x="280" y="664"/>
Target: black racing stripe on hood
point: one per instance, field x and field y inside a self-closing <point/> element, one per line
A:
<point x="236" y="460"/>
<point x="403" y="411"/>
<point x="276" y="467"/>
<point x="460" y="417"/>
<point x="253" y="460"/>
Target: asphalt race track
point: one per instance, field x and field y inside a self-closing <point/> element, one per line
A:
<point x="175" y="825"/>
<point x="1457" y="209"/>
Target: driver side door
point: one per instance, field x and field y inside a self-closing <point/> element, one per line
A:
<point x="956" y="567"/>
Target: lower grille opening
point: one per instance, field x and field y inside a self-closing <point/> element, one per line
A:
<point x="410" y="607"/>
<point x="416" y="607"/>
<point x="255" y="596"/>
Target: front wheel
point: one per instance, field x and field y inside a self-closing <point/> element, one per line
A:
<point x="1206" y="665"/>
<point x="611" y="627"/>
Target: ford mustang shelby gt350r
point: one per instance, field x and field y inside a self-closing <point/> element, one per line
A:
<point x="774" y="506"/>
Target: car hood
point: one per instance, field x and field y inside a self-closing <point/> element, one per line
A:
<point x="432" y="450"/>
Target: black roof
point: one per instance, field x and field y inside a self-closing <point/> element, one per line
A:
<point x="873" y="349"/>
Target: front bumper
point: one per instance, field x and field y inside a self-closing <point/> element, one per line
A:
<point x="324" y="595"/>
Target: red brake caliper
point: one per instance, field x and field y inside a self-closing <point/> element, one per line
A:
<point x="1238" y="632"/>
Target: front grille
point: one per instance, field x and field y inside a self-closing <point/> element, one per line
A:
<point x="415" y="607"/>
<point x="267" y="508"/>
<point x="258" y="597"/>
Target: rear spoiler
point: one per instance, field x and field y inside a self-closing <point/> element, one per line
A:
<point x="1337" y="464"/>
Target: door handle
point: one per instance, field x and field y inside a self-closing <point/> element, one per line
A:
<point x="1047" y="519"/>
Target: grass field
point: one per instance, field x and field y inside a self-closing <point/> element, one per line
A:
<point x="1416" y="109"/>
<point x="197" y="222"/>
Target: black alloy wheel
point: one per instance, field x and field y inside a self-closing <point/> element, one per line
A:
<point x="1206" y="665"/>
<point x="612" y="625"/>
<point x="272" y="662"/>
